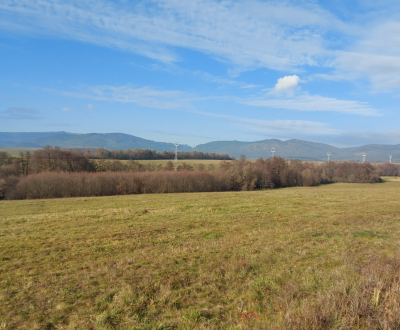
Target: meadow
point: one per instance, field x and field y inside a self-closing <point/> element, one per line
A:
<point x="321" y="257"/>
<point x="14" y="152"/>
<point x="163" y="162"/>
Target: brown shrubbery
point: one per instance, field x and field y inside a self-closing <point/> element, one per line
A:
<point x="388" y="169"/>
<point x="55" y="185"/>
<point x="60" y="173"/>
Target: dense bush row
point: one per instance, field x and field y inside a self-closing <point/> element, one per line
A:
<point x="136" y="178"/>
<point x="147" y="154"/>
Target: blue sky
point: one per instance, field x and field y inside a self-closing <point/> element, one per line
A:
<point x="203" y="70"/>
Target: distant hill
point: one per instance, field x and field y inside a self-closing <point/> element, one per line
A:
<point x="305" y="150"/>
<point x="110" y="141"/>
<point x="294" y="149"/>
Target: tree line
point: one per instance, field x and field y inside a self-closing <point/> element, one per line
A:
<point x="53" y="173"/>
<point x="148" y="154"/>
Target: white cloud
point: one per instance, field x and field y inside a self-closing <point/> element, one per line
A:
<point x="287" y="84"/>
<point x="65" y="109"/>
<point x="90" y="107"/>
<point x="306" y="102"/>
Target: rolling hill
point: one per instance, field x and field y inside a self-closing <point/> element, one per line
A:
<point x="110" y="141"/>
<point x="304" y="150"/>
<point x="295" y="149"/>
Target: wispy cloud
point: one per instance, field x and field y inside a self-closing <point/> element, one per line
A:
<point x="251" y="86"/>
<point x="143" y="96"/>
<point x="245" y="34"/>
<point x="359" y="138"/>
<point x="306" y="102"/>
<point x="20" y="114"/>
<point x="279" y="128"/>
<point x="309" y="130"/>
<point x="375" y="55"/>
<point x="276" y="35"/>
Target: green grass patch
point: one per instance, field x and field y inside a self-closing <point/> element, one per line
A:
<point x="235" y="260"/>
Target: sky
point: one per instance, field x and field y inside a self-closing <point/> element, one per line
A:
<point x="197" y="71"/>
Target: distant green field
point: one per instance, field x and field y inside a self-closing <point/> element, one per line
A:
<point x="163" y="162"/>
<point x="180" y="161"/>
<point x="15" y="151"/>
<point x="235" y="260"/>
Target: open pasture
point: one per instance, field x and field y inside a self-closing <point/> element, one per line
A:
<point x="14" y="152"/>
<point x="274" y="259"/>
<point x="180" y="161"/>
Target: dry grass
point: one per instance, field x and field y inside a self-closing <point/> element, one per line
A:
<point x="391" y="178"/>
<point x="294" y="258"/>
<point x="180" y="161"/>
<point x="14" y="152"/>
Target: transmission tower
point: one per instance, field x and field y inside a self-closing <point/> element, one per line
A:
<point x="176" y="151"/>
<point x="390" y="159"/>
<point x="273" y="152"/>
<point x="364" y="155"/>
<point x="329" y="154"/>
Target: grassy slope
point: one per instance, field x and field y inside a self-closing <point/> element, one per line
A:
<point x="186" y="260"/>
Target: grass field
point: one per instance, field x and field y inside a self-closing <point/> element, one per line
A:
<point x="236" y="260"/>
<point x="15" y="151"/>
<point x="163" y="162"/>
<point x="180" y="161"/>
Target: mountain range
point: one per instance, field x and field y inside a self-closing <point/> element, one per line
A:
<point x="295" y="149"/>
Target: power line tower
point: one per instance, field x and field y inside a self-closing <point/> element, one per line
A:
<point x="329" y="154"/>
<point x="176" y="151"/>
<point x="390" y="159"/>
<point x="273" y="152"/>
<point x="364" y="155"/>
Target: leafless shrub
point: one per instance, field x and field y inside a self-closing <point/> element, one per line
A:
<point x="55" y="185"/>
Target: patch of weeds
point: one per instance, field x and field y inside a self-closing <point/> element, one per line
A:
<point x="333" y="234"/>
<point x="313" y="216"/>
<point x="271" y="260"/>
<point x="197" y="316"/>
<point x="102" y="248"/>
<point x="252" y="269"/>
<point x="160" y="326"/>
<point x="263" y="288"/>
<point x="248" y="316"/>
<point x="212" y="235"/>
<point x="186" y="207"/>
<point x="366" y="233"/>
<point x="328" y="234"/>
<point x="49" y="326"/>
<point x="108" y="318"/>
<point x="142" y="212"/>
<point x="318" y="234"/>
